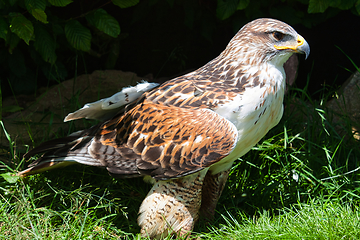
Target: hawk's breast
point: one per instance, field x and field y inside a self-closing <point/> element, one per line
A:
<point x="253" y="112"/>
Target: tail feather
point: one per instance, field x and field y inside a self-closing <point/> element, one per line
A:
<point x="62" y="152"/>
<point x="48" y="146"/>
<point x="44" y="166"/>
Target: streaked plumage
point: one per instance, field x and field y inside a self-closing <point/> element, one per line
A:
<point x="184" y="135"/>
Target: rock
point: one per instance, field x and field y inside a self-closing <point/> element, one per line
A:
<point x="42" y="117"/>
<point x="347" y="106"/>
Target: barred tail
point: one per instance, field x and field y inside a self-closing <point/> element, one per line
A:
<point x="62" y="152"/>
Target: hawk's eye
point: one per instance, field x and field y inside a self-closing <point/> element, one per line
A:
<point x="278" y="35"/>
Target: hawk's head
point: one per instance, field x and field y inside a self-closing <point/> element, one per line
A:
<point x="264" y="40"/>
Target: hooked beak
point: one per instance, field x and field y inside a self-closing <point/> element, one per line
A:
<point x="301" y="46"/>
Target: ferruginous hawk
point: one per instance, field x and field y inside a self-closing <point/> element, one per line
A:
<point x="185" y="134"/>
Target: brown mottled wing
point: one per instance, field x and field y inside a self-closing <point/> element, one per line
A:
<point x="165" y="141"/>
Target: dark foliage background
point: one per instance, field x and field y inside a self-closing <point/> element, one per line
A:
<point x="44" y="42"/>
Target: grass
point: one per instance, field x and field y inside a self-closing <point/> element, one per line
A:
<point x="300" y="182"/>
<point x="315" y="220"/>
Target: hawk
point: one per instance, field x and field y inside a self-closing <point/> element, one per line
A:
<point x="184" y="135"/>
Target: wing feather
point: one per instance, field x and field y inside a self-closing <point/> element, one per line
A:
<point x="107" y="107"/>
<point x="169" y="141"/>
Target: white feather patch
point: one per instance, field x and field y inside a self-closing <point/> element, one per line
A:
<point x="104" y="108"/>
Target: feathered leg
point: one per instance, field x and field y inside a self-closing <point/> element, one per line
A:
<point x="211" y="192"/>
<point x="172" y="206"/>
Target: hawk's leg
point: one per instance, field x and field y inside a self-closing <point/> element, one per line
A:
<point x="172" y="206"/>
<point x="211" y="192"/>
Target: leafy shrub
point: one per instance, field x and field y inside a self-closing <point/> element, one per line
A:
<point x="32" y="27"/>
<point x="39" y="38"/>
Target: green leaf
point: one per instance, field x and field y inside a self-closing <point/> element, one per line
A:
<point x="226" y="8"/>
<point x="21" y="26"/>
<point x="125" y="3"/>
<point x="12" y="2"/>
<point x="171" y="3"/>
<point x="35" y="4"/>
<point x="345" y="5"/>
<point x="104" y="22"/>
<point x="243" y="4"/>
<point x="318" y="6"/>
<point x="37" y="9"/>
<point x="357" y="6"/>
<point x="60" y="3"/>
<point x="334" y="3"/>
<point x="4" y="27"/>
<point x="10" y="177"/>
<point x="78" y="36"/>
<point x="13" y="40"/>
<point x="12" y="109"/>
<point x="57" y="29"/>
<point x="40" y="15"/>
<point x="45" y="44"/>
